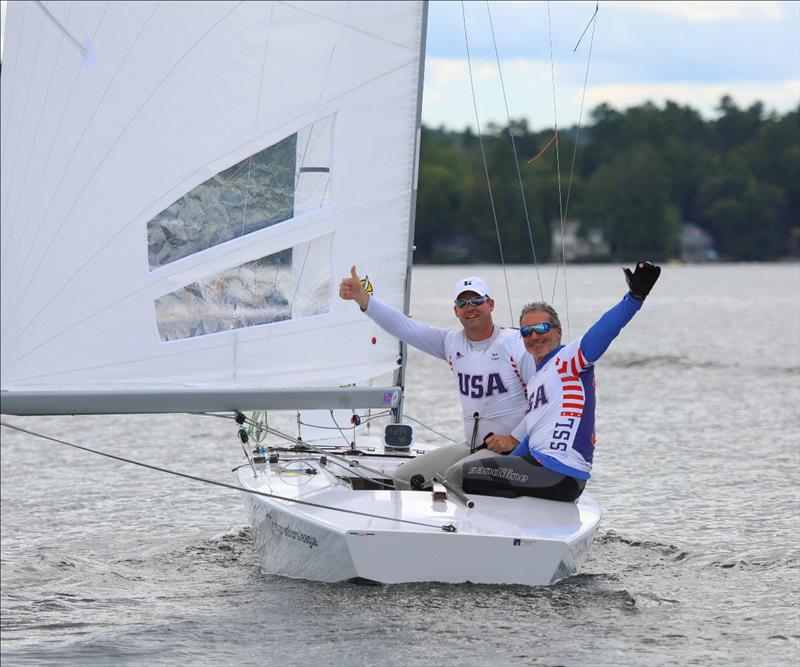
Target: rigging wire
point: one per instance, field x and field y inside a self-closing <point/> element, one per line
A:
<point x="241" y="489"/>
<point x="432" y="430"/>
<point x="516" y="158"/>
<point x="296" y="441"/>
<point x="362" y="420"/>
<point x="333" y="419"/>
<point x="558" y="162"/>
<point x="593" y="23"/>
<point x="485" y="166"/>
<point x="291" y="439"/>
<point x="563" y="201"/>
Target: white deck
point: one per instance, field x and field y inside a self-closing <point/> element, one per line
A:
<point x="499" y="540"/>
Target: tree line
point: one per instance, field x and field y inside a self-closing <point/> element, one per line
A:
<point x="636" y="175"/>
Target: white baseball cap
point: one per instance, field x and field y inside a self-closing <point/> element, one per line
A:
<point x="472" y="284"/>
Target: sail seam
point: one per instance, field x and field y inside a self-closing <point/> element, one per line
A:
<point x="347" y="25"/>
<point x="24" y="119"/>
<point x="78" y="71"/>
<point x="108" y="152"/>
<point x="84" y="51"/>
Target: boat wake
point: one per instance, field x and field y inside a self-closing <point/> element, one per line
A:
<point x="610" y="547"/>
<point x="228" y="549"/>
<point x="611" y="537"/>
<point x="754" y="561"/>
<point x="677" y="362"/>
<point x="661" y="361"/>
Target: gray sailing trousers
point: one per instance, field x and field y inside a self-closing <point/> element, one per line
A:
<point x="435" y="462"/>
<point x="489" y="473"/>
<point x="455" y="475"/>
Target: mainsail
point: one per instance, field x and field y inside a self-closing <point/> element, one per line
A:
<point x="183" y="184"/>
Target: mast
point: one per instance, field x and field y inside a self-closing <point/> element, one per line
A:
<point x="399" y="375"/>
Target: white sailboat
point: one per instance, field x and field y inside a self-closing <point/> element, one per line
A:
<point x="182" y="186"/>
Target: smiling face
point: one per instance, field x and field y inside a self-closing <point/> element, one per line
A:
<point x="540" y="345"/>
<point x="476" y="320"/>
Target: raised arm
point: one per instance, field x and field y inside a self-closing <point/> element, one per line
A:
<point x="599" y="336"/>
<point x="422" y="336"/>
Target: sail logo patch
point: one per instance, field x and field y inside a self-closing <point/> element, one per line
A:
<point x="366" y="285"/>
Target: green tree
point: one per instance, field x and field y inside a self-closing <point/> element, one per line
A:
<point x="629" y="201"/>
<point x="637" y="175"/>
<point x="736" y="126"/>
<point x="742" y="213"/>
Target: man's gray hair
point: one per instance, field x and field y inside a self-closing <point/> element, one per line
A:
<point x="541" y="307"/>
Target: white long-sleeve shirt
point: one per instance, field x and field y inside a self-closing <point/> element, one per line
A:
<point x="489" y="373"/>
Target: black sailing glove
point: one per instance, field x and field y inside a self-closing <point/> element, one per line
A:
<point x="642" y="279"/>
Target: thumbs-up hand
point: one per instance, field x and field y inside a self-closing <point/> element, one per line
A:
<point x="350" y="289"/>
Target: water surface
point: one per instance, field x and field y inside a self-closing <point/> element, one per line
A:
<point x="697" y="468"/>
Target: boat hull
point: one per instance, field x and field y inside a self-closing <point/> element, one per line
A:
<point x="390" y="536"/>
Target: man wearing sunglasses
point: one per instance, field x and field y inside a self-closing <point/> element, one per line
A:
<point x="554" y="459"/>
<point x="489" y="364"/>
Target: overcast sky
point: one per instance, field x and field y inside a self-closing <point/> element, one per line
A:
<point x="688" y="52"/>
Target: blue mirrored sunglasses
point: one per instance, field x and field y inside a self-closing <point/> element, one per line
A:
<point x="474" y="301"/>
<point x="541" y="328"/>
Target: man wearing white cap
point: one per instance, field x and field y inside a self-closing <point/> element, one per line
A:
<point x="489" y="363"/>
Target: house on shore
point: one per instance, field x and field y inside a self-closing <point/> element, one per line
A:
<point x="695" y="245"/>
<point x="579" y="245"/>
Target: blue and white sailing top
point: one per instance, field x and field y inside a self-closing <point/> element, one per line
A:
<point x="561" y="415"/>
<point x="489" y="373"/>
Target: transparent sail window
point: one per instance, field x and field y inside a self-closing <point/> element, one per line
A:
<point x="287" y="285"/>
<point x="282" y="181"/>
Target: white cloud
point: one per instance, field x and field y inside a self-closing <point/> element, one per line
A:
<point x="528" y="87"/>
<point x="698" y="11"/>
<point x="448" y="98"/>
<point x="447" y="71"/>
<point x="781" y="96"/>
<point x="690" y="10"/>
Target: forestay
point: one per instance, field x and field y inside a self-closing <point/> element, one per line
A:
<point x="182" y="186"/>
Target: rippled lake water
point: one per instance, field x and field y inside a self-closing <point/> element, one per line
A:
<point x="697" y="467"/>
